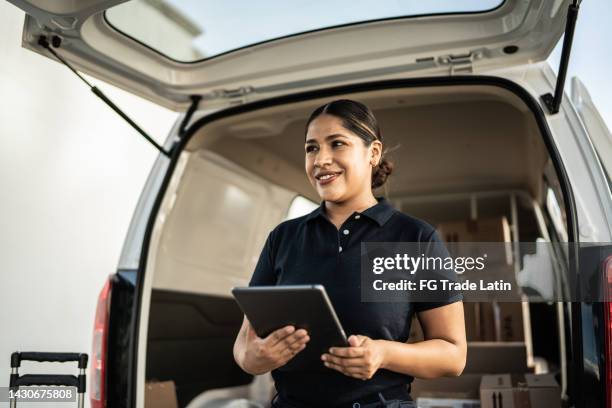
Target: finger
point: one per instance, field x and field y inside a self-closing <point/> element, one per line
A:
<point x="334" y="366"/>
<point x="288" y="354"/>
<point x="354" y="341"/>
<point x="298" y="338"/>
<point x="295" y="347"/>
<point x="293" y="350"/>
<point x="298" y="335"/>
<point x="292" y="341"/>
<point x="346" y="362"/>
<point x="362" y="339"/>
<point x="278" y="335"/>
<point x="347" y="351"/>
<point x="350" y="371"/>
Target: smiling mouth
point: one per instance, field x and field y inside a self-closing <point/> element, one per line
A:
<point x="327" y="178"/>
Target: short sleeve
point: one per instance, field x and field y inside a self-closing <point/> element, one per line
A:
<point x="264" y="274"/>
<point x="436" y="248"/>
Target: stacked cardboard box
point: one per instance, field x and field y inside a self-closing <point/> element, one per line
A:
<point x="490" y="229"/>
<point x="493" y="357"/>
<point x="487" y="238"/>
<point x="462" y="387"/>
<point x="492" y="391"/>
<point x="483" y="358"/>
<point x="494" y="229"/>
<point x="519" y="391"/>
<point x="494" y="320"/>
<point x="498" y="346"/>
<point x="160" y="395"/>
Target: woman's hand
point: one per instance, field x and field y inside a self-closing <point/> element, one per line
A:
<point x="361" y="360"/>
<point x="275" y="350"/>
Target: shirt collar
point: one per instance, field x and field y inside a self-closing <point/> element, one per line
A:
<point x="380" y="212"/>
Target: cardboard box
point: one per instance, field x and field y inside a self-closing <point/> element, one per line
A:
<point x="472" y="321"/>
<point x="494" y="229"/>
<point x="490" y="274"/>
<point x="479" y="321"/>
<point x="488" y="328"/>
<point x="520" y="391"/>
<point x="510" y="318"/>
<point x="493" y="321"/>
<point x="466" y="386"/>
<point x="160" y="395"/>
<point x="496" y="358"/>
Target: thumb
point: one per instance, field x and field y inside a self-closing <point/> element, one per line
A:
<point x="355" y="340"/>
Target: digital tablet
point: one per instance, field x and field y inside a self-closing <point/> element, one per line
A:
<point x="304" y="306"/>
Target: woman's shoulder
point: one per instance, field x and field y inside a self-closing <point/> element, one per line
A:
<point x="289" y="226"/>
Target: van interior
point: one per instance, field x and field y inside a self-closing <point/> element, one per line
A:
<point x="469" y="159"/>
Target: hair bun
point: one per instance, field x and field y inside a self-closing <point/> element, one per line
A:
<point x="381" y="172"/>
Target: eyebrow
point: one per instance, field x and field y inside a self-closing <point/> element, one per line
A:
<point x="332" y="136"/>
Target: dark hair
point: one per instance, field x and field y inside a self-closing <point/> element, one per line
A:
<point x="359" y="119"/>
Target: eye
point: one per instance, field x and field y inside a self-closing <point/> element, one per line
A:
<point x="338" y="143"/>
<point x="311" y="148"/>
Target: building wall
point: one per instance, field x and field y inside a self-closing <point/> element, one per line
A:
<point x="71" y="171"/>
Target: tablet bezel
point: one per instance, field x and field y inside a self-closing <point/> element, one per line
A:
<point x="288" y="289"/>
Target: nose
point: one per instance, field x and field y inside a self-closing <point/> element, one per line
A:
<point x="323" y="158"/>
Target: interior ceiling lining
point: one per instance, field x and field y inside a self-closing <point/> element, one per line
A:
<point x="442" y="139"/>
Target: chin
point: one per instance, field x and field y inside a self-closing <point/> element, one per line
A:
<point x="332" y="196"/>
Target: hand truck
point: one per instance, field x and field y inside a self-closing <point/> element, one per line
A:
<point x="60" y="380"/>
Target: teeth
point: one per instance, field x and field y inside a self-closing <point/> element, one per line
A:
<point x="326" y="176"/>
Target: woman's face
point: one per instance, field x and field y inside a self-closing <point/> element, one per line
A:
<point x="338" y="163"/>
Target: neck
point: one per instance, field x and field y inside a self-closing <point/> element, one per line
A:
<point x="338" y="212"/>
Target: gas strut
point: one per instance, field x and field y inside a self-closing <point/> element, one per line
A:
<point x="56" y="42"/>
<point x="551" y="102"/>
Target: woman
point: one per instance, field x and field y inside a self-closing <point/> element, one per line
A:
<point x="344" y="163"/>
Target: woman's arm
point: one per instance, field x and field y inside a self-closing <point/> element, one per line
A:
<point x="442" y="353"/>
<point x="256" y="355"/>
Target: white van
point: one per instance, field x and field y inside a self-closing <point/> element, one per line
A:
<point x="479" y="129"/>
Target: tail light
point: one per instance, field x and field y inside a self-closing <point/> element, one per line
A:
<point x="607" y="269"/>
<point x="99" y="348"/>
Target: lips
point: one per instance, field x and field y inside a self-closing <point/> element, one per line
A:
<point x="327" y="177"/>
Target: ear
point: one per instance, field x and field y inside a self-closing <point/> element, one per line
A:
<point x="375" y="152"/>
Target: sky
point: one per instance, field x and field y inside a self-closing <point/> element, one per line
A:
<point x="591" y="58"/>
<point x="264" y="20"/>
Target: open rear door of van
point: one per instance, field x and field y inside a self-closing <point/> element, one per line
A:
<point x="594" y="124"/>
<point x="168" y="50"/>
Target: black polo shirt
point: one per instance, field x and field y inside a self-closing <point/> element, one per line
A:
<point x="310" y="250"/>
